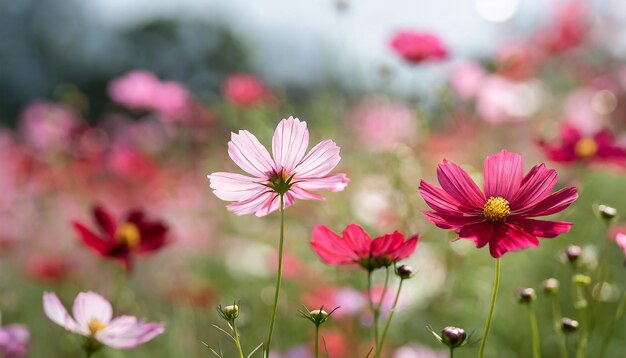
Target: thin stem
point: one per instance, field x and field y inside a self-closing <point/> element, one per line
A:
<point x="534" y="329"/>
<point x="373" y="307"/>
<point x="317" y="343"/>
<point x="583" y="335"/>
<point x="388" y="323"/>
<point x="556" y="311"/>
<point x="496" y="283"/>
<point x="237" y="342"/>
<point x="618" y="316"/>
<point x="451" y="352"/>
<point x="279" y="276"/>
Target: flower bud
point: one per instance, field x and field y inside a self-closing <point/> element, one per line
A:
<point x="569" y="325"/>
<point x="607" y="212"/>
<point x="319" y="316"/>
<point x="550" y="286"/>
<point x="404" y="271"/>
<point x="581" y="279"/>
<point x="526" y="295"/>
<point x="229" y="313"/>
<point x="573" y="252"/>
<point x="453" y="337"/>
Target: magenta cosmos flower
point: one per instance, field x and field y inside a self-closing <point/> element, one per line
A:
<point x="356" y="246"/>
<point x="502" y="215"/>
<point x="416" y="47"/>
<point x="93" y="319"/>
<point x="14" y="341"/>
<point x="289" y="172"/>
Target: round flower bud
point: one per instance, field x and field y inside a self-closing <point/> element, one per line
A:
<point x="573" y="252"/>
<point x="404" y="271"/>
<point x="319" y="316"/>
<point x="526" y="295"/>
<point x="550" y="286"/>
<point x="453" y="337"/>
<point x="581" y="279"/>
<point x="569" y="325"/>
<point x="607" y="212"/>
<point x="229" y="313"/>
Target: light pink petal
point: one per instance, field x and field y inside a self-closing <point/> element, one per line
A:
<point x="253" y="204"/>
<point x="358" y="240"/>
<point x="542" y="228"/>
<point x="334" y="183"/>
<point x="458" y="184"/>
<point x="510" y="238"/>
<point x="331" y="248"/>
<point x="480" y="233"/>
<point x="126" y="332"/>
<point x="437" y="199"/>
<point x="58" y="314"/>
<point x="248" y="153"/>
<point x="235" y="187"/>
<point x="445" y="221"/>
<point x="289" y="143"/>
<point x="90" y="305"/>
<point x="554" y="203"/>
<point x="620" y="239"/>
<point x="322" y="158"/>
<point x="274" y="204"/>
<point x="302" y="194"/>
<point x="503" y="173"/>
<point x="536" y="186"/>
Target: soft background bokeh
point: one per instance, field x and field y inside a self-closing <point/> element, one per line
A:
<point x="513" y="76"/>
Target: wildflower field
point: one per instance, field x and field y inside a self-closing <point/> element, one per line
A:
<point x="146" y="214"/>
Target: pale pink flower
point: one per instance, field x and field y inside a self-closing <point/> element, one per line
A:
<point x="14" y="341"/>
<point x="93" y="319"/>
<point x="466" y="79"/>
<point x="290" y="171"/>
<point x="383" y="124"/>
<point x="500" y="100"/>
<point x="48" y="126"/>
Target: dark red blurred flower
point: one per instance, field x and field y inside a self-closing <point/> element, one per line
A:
<point x="245" y="90"/>
<point x="122" y="240"/>
<point x="356" y="246"/>
<point x="47" y="269"/>
<point x="416" y="47"/>
<point x="575" y="147"/>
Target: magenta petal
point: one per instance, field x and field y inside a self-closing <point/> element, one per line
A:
<point x="458" y="184"/>
<point x="104" y="220"/>
<point x="536" y="186"/>
<point x="542" y="228"/>
<point x="437" y="199"/>
<point x="554" y="203"/>
<point x="289" y="143"/>
<point x="331" y="248"/>
<point x="358" y="239"/>
<point x="445" y="221"/>
<point x="386" y="244"/>
<point x="406" y="249"/>
<point x="510" y="238"/>
<point x="480" y="233"/>
<point x="502" y="174"/>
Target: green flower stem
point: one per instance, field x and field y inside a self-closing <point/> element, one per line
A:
<point x="583" y="337"/>
<point x="496" y="283"/>
<point x="556" y="311"/>
<point x="237" y="342"/>
<point x="279" y="275"/>
<point x="373" y="307"/>
<point x="317" y="339"/>
<point x="451" y="352"/>
<point x="619" y="312"/>
<point x="534" y="329"/>
<point x="388" y="322"/>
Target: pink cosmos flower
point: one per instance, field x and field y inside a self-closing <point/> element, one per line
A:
<point x="289" y="172"/>
<point x="245" y="90"/>
<point x="14" y="341"/>
<point x="466" y="79"/>
<point x="356" y="246"/>
<point x="502" y="216"/>
<point x="383" y="124"/>
<point x="93" y="319"/>
<point x="575" y="147"/>
<point x="416" y="47"/>
<point x="620" y="240"/>
<point x="48" y="126"/>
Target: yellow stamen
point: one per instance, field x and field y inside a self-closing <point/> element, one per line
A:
<point x="496" y="209"/>
<point x="128" y="234"/>
<point x="95" y="326"/>
<point x="586" y="147"/>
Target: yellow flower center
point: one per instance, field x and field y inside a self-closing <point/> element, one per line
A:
<point x="586" y="147"/>
<point x="95" y="326"/>
<point x="128" y="234"/>
<point x="496" y="209"/>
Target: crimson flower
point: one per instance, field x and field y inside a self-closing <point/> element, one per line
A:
<point x="132" y="235"/>
<point x="290" y="171"/>
<point x="246" y="90"/>
<point x="356" y="246"/>
<point x="416" y="47"/>
<point x="502" y="215"/>
<point x="574" y="147"/>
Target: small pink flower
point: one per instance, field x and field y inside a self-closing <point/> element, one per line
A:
<point x="48" y="126"/>
<point x="14" y="341"/>
<point x="383" y="124"/>
<point x="355" y="246"/>
<point x="466" y="79"/>
<point x="502" y="216"/>
<point x="416" y="47"/>
<point x="245" y="90"/>
<point x="568" y="29"/>
<point x="289" y="172"/>
<point x="620" y="240"/>
<point x="93" y="319"/>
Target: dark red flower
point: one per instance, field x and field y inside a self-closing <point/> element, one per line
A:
<point x="575" y="147"/>
<point x="356" y="246"/>
<point x="121" y="241"/>
<point x="416" y="47"/>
